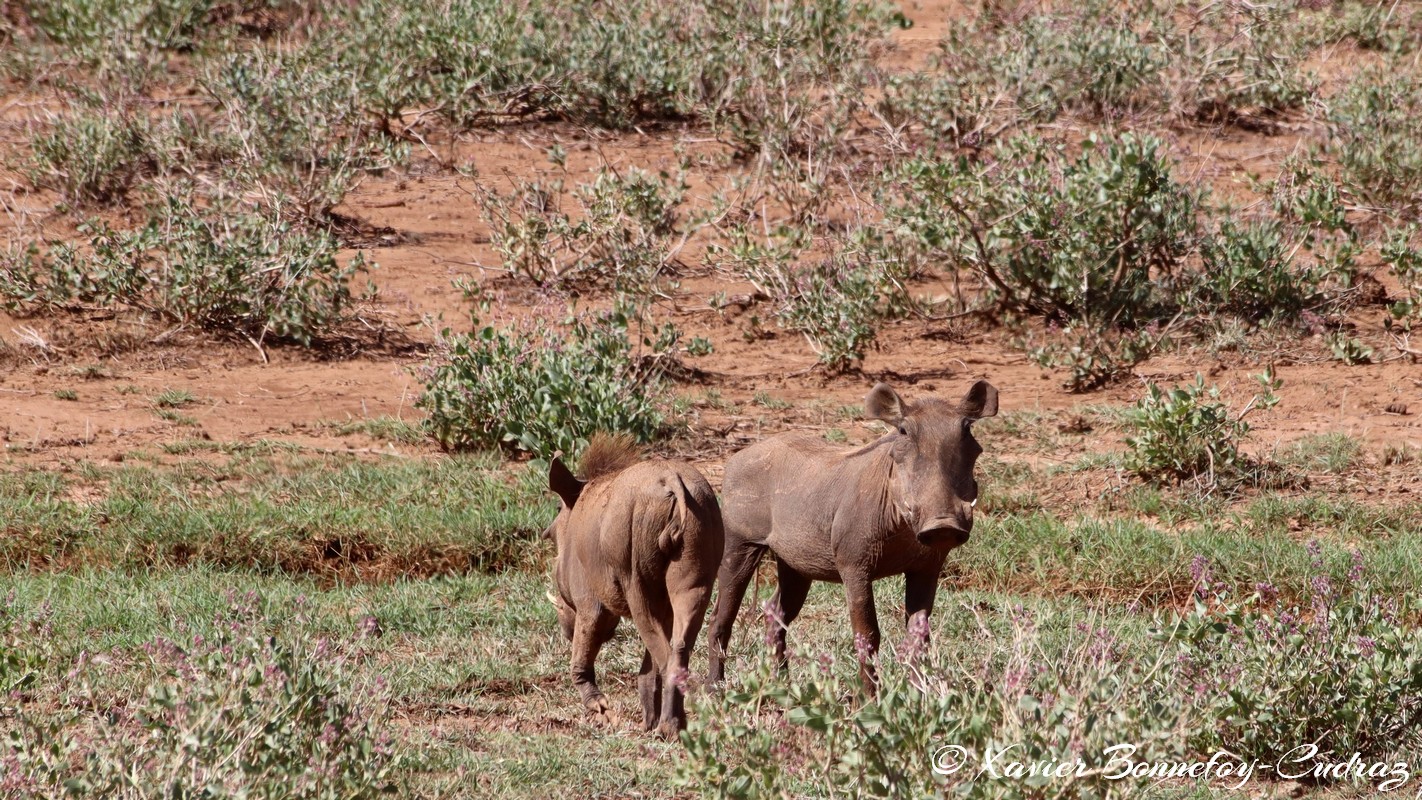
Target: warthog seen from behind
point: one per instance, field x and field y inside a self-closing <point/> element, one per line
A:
<point x="640" y="540"/>
<point x="896" y="506"/>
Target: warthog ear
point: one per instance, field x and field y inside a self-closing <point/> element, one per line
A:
<point x="884" y="403"/>
<point x="979" y="402"/>
<point x="563" y="483"/>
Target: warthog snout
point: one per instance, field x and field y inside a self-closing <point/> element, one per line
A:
<point x="947" y="532"/>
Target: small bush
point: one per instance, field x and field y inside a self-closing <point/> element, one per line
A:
<point x="785" y="78"/>
<point x="1097" y="358"/>
<point x="1214" y="62"/>
<point x="290" y="132"/>
<point x="93" y="158"/>
<point x="218" y="269"/>
<point x="1341" y="673"/>
<point x="1073" y="239"/>
<point x="1405" y="263"/>
<point x="237" y="715"/>
<point x="622" y="235"/>
<point x="838" y="303"/>
<point x="541" y="388"/>
<point x="1238" y="60"/>
<point x="585" y="62"/>
<point x="1375" y="132"/>
<point x="1187" y="433"/>
<point x="935" y="723"/>
<point x="1248" y="271"/>
<point x="949" y="108"/>
<point x="177" y="25"/>
<point x="1388" y="27"/>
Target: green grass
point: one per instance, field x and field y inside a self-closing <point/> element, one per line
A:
<point x="339" y="518"/>
<point x="1330" y="453"/>
<point x="765" y="400"/>
<point x="468" y="650"/>
<point x="385" y="429"/>
<point x="176" y="417"/>
<point x="174" y="398"/>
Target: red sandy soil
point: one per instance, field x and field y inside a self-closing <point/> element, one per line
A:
<point x="429" y="233"/>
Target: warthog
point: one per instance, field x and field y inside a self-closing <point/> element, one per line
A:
<point x="640" y="540"/>
<point x="896" y="506"/>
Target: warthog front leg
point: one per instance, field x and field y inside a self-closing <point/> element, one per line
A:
<point x="920" y="588"/>
<point x="591" y="630"/>
<point x="859" y="589"/>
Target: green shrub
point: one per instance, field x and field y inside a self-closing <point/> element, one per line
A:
<point x="1097" y="358"/>
<point x="1240" y="59"/>
<point x="1084" y="239"/>
<point x="1215" y="62"/>
<point x="838" y="302"/>
<point x="1341" y="672"/>
<point x="540" y="387"/>
<point x="1248" y="270"/>
<point x="1405" y="263"/>
<point x="217" y="269"/>
<point x="234" y="715"/>
<point x="582" y="61"/>
<point x="1188" y="433"/>
<point x="1389" y="27"/>
<point x="290" y="132"/>
<point x="950" y="109"/>
<point x="155" y="24"/>
<point x="279" y="129"/>
<point x="622" y="235"/>
<point x="1349" y="350"/>
<point x="93" y="157"/>
<point x="1375" y="132"/>
<point x="783" y="78"/>
<point x="936" y="722"/>
<point x="1095" y="57"/>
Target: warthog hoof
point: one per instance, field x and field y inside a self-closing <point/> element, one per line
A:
<point x="597" y="706"/>
<point x="669" y="729"/>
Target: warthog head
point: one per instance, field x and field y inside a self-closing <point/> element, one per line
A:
<point x="934" y="454"/>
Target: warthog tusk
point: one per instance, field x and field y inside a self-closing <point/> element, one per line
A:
<point x="973" y="504"/>
<point x="551" y="598"/>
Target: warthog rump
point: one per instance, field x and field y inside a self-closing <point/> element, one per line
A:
<point x="640" y="540"/>
<point x="894" y="507"/>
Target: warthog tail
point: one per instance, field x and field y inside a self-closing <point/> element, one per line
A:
<point x="670" y="539"/>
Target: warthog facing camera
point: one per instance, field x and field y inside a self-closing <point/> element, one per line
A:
<point x="896" y="506"/>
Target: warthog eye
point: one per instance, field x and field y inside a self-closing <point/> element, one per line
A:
<point x="902" y="432"/>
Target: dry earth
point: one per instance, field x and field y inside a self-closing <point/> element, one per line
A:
<point x="426" y="233"/>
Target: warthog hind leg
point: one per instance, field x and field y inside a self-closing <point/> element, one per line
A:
<point x="737" y="568"/>
<point x="649" y="689"/>
<point x="789" y="599"/>
<point x="591" y="630"/>
<point x="688" y="610"/>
